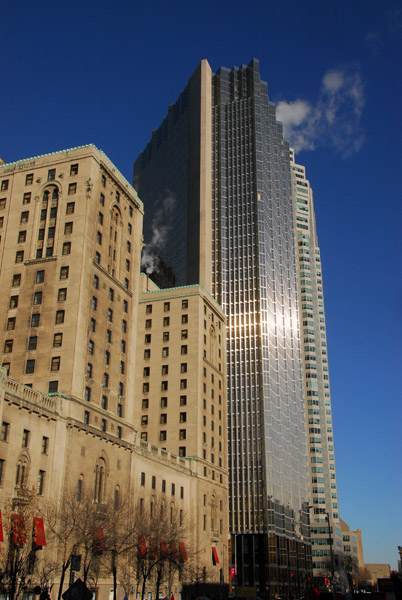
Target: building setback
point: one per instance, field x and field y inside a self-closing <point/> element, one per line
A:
<point x="219" y="170"/>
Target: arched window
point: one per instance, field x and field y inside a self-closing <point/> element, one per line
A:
<point x="100" y="481"/>
<point x="21" y="476"/>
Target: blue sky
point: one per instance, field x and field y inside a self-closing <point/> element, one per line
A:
<point x="74" y="73"/>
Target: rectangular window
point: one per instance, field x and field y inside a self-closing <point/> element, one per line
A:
<point x="22" y="236"/>
<point x="68" y="227"/>
<point x="184" y="303"/>
<point x="16" y="280"/>
<point x="35" y="320"/>
<point x="94" y="303"/>
<point x="64" y="272"/>
<point x="166" y="306"/>
<point x="30" y="366"/>
<point x="142" y="478"/>
<point x="2" y="205"/>
<point x="8" y="346"/>
<point x="184" y="319"/>
<point x="14" y="301"/>
<point x="87" y="394"/>
<point x="26" y="199"/>
<point x="99" y="237"/>
<point x="55" y="363"/>
<point x="165" y="352"/>
<point x="24" y="217"/>
<point x="183" y="400"/>
<point x="51" y="174"/>
<point x="66" y="248"/>
<point x="37" y="299"/>
<point x="74" y="169"/>
<point x="41" y="482"/>
<point x="148" y="323"/>
<point x="5" y="428"/>
<point x="29" y="179"/>
<point x="183" y="350"/>
<point x="183" y="417"/>
<point x="92" y="325"/>
<point x="182" y="451"/>
<point x="163" y="418"/>
<point x="25" y="438"/>
<point x="109" y="315"/>
<point x="59" y="317"/>
<point x="11" y="324"/>
<point x="72" y="188"/>
<point x="39" y="276"/>
<point x="62" y="295"/>
<point x="4" y="185"/>
<point x="144" y="420"/>
<point x="57" y="340"/>
<point x="182" y="434"/>
<point x="164" y="402"/>
<point x="166" y="321"/>
<point x="162" y="436"/>
<point x="32" y="342"/>
<point x="165" y="336"/>
<point x="19" y="256"/>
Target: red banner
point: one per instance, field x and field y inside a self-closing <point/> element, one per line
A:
<point x="99" y="539"/>
<point x="215" y="559"/>
<point x="18" y="530"/>
<point x="39" y="529"/>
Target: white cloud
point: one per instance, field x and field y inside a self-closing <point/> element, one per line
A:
<point x="333" y="120"/>
<point x="332" y="81"/>
<point x="292" y="113"/>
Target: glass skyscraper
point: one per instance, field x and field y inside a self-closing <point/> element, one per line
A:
<point x="216" y="184"/>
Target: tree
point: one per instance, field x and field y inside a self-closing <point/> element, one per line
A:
<point x="61" y="520"/>
<point x="161" y="549"/>
<point x="20" y="521"/>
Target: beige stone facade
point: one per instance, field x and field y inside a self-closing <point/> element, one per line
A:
<point x="353" y="544"/>
<point x="181" y="395"/>
<point x="70" y="247"/>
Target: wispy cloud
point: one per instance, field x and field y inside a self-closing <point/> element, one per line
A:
<point x="333" y="120"/>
